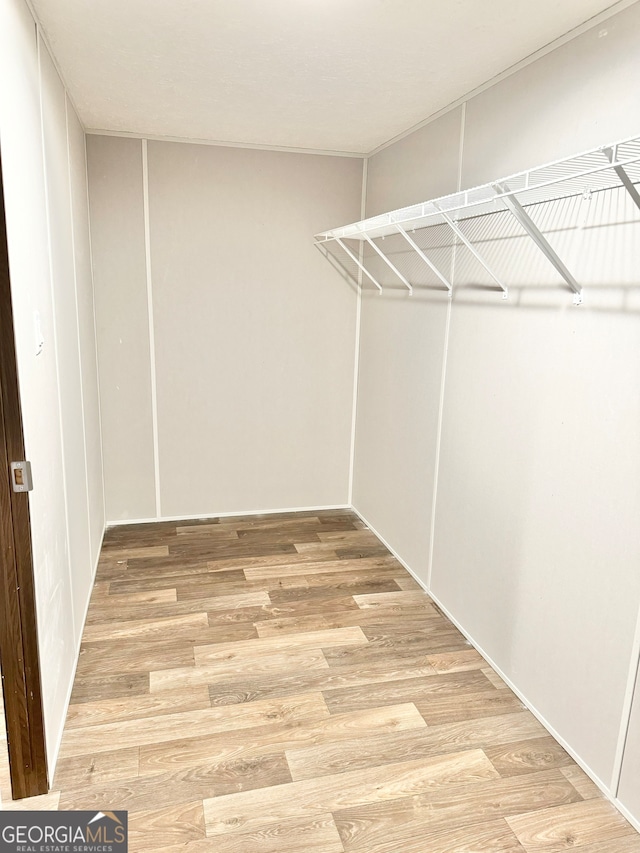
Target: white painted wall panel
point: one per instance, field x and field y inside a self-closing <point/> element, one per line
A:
<point x="254" y="331"/>
<point x="537" y="544"/>
<point x="66" y="333"/>
<point x="86" y="327"/>
<point x="420" y="166"/>
<point x="117" y="231"/>
<point x="401" y="353"/>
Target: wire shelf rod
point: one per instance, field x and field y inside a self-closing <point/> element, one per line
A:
<point x="460" y="234"/>
<point x="422" y="255"/>
<point x="357" y="262"/>
<point x="389" y="264"/>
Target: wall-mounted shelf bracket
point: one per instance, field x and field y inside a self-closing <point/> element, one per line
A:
<point x="422" y="255"/>
<point x="388" y="262"/>
<point x="538" y="238"/>
<point x="612" y="155"/>
<point x="459" y="233"/>
<point x="358" y="263"/>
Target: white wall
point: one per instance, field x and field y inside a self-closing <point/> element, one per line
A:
<point x="534" y="545"/>
<point x="45" y="194"/>
<point x="246" y="380"/>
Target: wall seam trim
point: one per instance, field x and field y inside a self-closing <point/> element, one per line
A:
<point x="633" y="679"/>
<point x="356" y="359"/>
<point x="95" y="335"/>
<point x="443" y="377"/>
<point x="152" y="343"/>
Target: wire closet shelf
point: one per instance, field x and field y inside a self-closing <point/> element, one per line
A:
<point x="606" y="168"/>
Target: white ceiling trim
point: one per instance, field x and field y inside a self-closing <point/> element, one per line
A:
<point x="620" y="6"/>
<point x="92" y="131"/>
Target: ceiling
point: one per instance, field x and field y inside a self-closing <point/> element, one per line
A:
<point x="336" y="75"/>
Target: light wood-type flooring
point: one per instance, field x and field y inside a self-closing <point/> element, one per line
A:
<point x="280" y="684"/>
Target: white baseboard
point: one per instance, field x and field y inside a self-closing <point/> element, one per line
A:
<point x="238" y="514"/>
<point x="521" y="696"/>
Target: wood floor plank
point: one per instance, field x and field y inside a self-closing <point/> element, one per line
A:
<point x="239" y="812"/>
<point x="217" y="603"/>
<point x="183" y="786"/>
<point x="132" y="656"/>
<point x="454" y="687"/>
<point x="283" y="536"/>
<point x="268" y="561"/>
<point x="349" y="659"/>
<point x="458" y="661"/>
<point x="145" y="551"/>
<point x="439" y="710"/>
<point x="164" y="568"/>
<point x="168" y="727"/>
<point x="587" y="789"/>
<point x="210" y="580"/>
<point x="152" y="828"/>
<point x="96" y="769"/>
<point x="487" y="837"/>
<point x="566" y="827"/>
<point x="275" y="737"/>
<point x="399" y="824"/>
<point x="321" y="567"/>
<point x="292" y="836"/>
<point x="269" y="687"/>
<point x="172" y="626"/>
<point x="407" y="583"/>
<point x="333" y="587"/>
<point x="417" y="616"/>
<point x="390" y="599"/>
<point x="268" y="645"/>
<point x="136" y="707"/>
<point x="363" y="536"/>
<point x="229" y="549"/>
<point x="544" y="753"/>
<point x="396" y="746"/>
<point x="245" y="667"/>
<point x="154" y="596"/>
<point x="89" y="687"/>
<point x="627" y="844"/>
<point x="210" y="532"/>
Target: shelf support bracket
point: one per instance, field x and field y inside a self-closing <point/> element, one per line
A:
<point x="539" y="239"/>
<point x="422" y="255"/>
<point x="458" y="232"/>
<point x="388" y="262"/>
<point x="357" y="263"/>
<point x="624" y="177"/>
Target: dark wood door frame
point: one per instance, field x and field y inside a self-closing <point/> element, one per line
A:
<point x="19" y="658"/>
